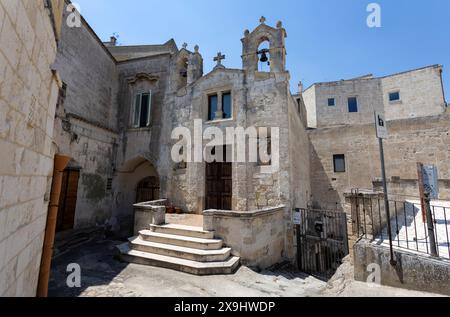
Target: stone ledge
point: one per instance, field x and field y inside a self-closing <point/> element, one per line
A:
<point x="149" y="213"/>
<point x="243" y="214"/>
<point x="151" y="204"/>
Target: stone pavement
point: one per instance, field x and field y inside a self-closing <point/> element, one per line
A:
<point x="104" y="276"/>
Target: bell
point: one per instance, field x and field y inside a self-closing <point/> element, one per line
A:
<point x="264" y="57"/>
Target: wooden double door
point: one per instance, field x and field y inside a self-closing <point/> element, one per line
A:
<point x="219" y="186"/>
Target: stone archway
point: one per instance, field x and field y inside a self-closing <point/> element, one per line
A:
<point x="137" y="173"/>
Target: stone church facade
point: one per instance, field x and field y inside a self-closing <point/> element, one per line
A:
<point x="120" y="104"/>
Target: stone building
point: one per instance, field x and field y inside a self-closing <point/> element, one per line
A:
<point x="345" y="153"/>
<point x="29" y="32"/>
<point x="120" y="104"/>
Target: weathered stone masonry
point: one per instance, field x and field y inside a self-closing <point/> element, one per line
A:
<point x="28" y="97"/>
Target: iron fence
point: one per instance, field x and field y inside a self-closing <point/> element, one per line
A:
<point x="409" y="229"/>
<point x="322" y="242"/>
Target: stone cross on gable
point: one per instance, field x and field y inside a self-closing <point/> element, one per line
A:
<point x="219" y="59"/>
<point x="185" y="45"/>
<point x="262" y="20"/>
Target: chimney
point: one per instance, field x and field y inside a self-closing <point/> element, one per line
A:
<point x="113" y="41"/>
<point x="300" y="87"/>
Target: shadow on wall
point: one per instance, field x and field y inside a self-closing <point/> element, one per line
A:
<point x="323" y="194"/>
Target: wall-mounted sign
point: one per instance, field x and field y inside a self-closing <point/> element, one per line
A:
<point x="380" y="123"/>
<point x="430" y="180"/>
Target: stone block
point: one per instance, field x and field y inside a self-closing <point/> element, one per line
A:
<point x="11" y="44"/>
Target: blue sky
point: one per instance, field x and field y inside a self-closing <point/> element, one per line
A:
<point x="327" y="39"/>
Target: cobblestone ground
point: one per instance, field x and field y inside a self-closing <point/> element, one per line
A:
<point x="104" y="276"/>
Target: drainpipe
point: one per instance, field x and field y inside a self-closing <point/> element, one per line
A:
<point x="442" y="86"/>
<point x="60" y="164"/>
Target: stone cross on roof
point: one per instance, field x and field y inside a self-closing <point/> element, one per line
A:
<point x="185" y="45"/>
<point x="263" y="20"/>
<point x="219" y="59"/>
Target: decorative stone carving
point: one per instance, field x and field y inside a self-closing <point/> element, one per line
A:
<point x="142" y="76"/>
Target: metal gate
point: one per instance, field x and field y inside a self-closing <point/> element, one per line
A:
<point x="322" y="242"/>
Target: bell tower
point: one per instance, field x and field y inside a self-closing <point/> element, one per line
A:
<point x="252" y="54"/>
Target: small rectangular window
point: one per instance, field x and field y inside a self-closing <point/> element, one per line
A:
<point x="394" y="96"/>
<point x="212" y="107"/>
<point x="142" y="110"/>
<point x="339" y="163"/>
<point x="352" y="104"/>
<point x="331" y="102"/>
<point x="226" y="103"/>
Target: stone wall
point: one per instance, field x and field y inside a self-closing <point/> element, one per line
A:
<point x="421" y="95"/>
<point x="255" y="236"/>
<point x="28" y="97"/>
<point x="89" y="71"/>
<point x="410" y="141"/>
<point x="368" y="94"/>
<point x="86" y="126"/>
<point x="412" y="271"/>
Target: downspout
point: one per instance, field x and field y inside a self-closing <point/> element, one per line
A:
<point x="60" y="164"/>
<point x="442" y="86"/>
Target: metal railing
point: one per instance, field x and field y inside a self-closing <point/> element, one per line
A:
<point x="409" y="228"/>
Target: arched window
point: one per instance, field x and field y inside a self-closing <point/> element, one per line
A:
<point x="182" y="72"/>
<point x="264" y="58"/>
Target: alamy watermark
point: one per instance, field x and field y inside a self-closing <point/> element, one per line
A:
<point x="74" y="278"/>
<point x="374" y="277"/>
<point x="74" y="18"/>
<point x="242" y="145"/>
<point x="374" y="18"/>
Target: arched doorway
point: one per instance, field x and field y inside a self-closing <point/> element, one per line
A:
<point x="137" y="181"/>
<point x="148" y="189"/>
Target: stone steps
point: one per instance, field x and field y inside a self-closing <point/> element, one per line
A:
<point x="222" y="254"/>
<point x="187" y="231"/>
<point x="182" y="265"/>
<point x="181" y="241"/>
<point x="182" y="248"/>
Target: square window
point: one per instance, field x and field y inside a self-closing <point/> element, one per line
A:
<point x="339" y="163"/>
<point x="331" y="102"/>
<point x="352" y="104"/>
<point x="394" y="96"/>
<point x="212" y="107"/>
<point x="226" y="103"/>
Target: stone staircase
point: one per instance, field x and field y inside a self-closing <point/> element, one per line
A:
<point x="182" y="248"/>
